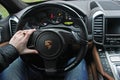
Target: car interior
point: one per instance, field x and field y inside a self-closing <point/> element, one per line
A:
<point x="67" y="29"/>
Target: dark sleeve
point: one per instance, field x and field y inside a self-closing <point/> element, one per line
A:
<point x="8" y="54"/>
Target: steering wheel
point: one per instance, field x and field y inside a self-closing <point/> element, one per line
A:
<point x="61" y="47"/>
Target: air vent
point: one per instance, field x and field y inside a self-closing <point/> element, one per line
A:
<point x="98" y="29"/>
<point x="13" y="24"/>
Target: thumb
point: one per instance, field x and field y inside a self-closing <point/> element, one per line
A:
<point x="30" y="51"/>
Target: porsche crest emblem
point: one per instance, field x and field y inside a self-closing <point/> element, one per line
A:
<point x="48" y="44"/>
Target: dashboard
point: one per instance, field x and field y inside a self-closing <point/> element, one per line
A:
<point x="97" y="17"/>
<point x="106" y="26"/>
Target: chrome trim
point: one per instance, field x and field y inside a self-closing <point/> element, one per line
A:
<point x="93" y="17"/>
<point x="14" y="18"/>
<point x="0" y="33"/>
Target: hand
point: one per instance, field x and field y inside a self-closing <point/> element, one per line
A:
<point x="20" y="39"/>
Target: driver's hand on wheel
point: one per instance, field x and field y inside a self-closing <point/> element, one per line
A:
<point x="20" y="39"/>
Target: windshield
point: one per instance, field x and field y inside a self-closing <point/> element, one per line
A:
<point x="3" y="12"/>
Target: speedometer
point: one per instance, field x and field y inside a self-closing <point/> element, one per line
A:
<point x="55" y="16"/>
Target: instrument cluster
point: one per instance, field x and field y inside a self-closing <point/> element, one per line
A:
<point x="52" y="16"/>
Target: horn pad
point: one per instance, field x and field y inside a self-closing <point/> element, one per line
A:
<point x="49" y="44"/>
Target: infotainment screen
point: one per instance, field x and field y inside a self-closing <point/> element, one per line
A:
<point x="112" y="25"/>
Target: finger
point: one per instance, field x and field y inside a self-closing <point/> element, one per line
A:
<point x="29" y="30"/>
<point x="18" y="32"/>
<point x="28" y="34"/>
<point x="18" y="36"/>
<point x="30" y="51"/>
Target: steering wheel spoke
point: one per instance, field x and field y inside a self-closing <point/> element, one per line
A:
<point x="50" y="66"/>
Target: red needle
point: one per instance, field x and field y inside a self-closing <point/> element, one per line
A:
<point x="51" y="16"/>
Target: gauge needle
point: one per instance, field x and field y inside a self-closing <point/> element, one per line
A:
<point x="51" y="16"/>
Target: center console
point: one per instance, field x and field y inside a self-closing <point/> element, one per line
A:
<point x="112" y="45"/>
<point x="106" y="32"/>
<point x="110" y="56"/>
<point x="110" y="60"/>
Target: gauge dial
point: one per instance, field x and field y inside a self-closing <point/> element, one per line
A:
<point x="56" y="16"/>
<point x="68" y="20"/>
